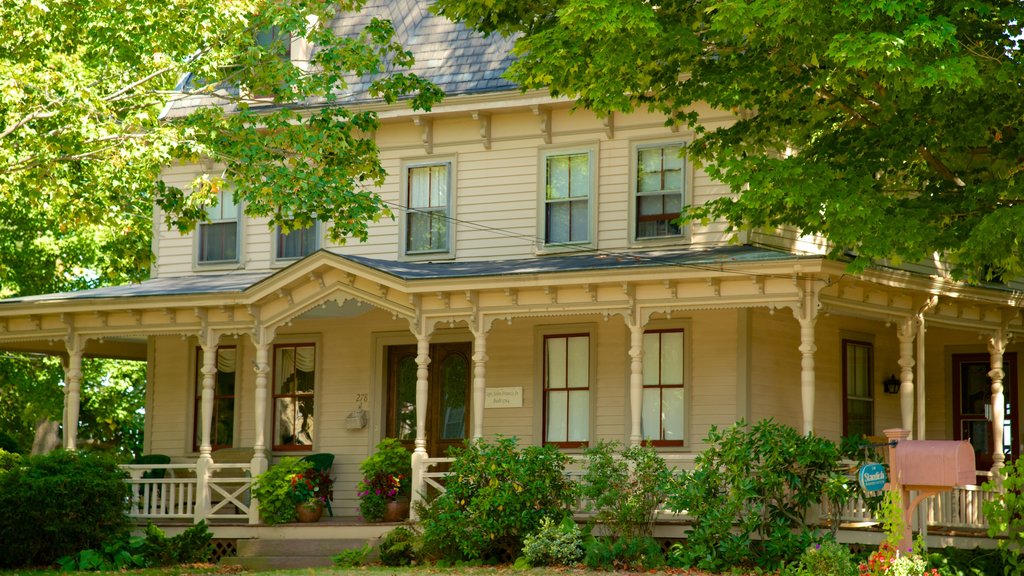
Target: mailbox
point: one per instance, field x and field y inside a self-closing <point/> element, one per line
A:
<point x="933" y="463"/>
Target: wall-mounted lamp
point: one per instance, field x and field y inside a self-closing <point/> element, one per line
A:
<point x="891" y="385"/>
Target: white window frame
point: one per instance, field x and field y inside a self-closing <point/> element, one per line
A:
<point x="235" y="263"/>
<point x="276" y="244"/>
<point x="634" y="194"/>
<point x="271" y="412"/>
<point x="591" y="150"/>
<point x="404" y="200"/>
<point x="541" y="335"/>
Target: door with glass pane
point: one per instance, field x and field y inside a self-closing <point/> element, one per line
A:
<point x="448" y="400"/>
<point x="972" y="397"/>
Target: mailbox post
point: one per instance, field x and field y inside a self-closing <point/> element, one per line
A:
<point x="928" y="467"/>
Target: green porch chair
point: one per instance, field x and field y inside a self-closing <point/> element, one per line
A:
<point x="323" y="462"/>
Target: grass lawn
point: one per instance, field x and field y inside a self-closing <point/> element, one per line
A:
<point x="369" y="571"/>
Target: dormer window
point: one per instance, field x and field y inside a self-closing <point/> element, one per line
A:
<point x="218" y="237"/>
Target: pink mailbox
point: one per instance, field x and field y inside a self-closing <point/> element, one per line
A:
<point x="933" y="463"/>
<point x="926" y="467"/>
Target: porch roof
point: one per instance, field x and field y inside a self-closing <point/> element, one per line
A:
<point x="412" y="271"/>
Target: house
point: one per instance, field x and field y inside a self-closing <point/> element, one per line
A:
<point x="532" y="283"/>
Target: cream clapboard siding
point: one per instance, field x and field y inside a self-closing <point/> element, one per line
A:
<point x="713" y="341"/>
<point x="496" y="190"/>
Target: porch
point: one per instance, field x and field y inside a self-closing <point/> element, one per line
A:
<point x="188" y="495"/>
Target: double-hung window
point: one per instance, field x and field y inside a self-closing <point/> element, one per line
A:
<point x="662" y="418"/>
<point x="567" y="390"/>
<point x="568" y="190"/>
<point x="294" y="385"/>
<point x="859" y="403"/>
<point x="222" y="429"/>
<point x="660" y="174"/>
<point x="218" y="236"/>
<point x="428" y="204"/>
<point x="297" y="243"/>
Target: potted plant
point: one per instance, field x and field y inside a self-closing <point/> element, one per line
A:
<point x="386" y="486"/>
<point x="309" y="490"/>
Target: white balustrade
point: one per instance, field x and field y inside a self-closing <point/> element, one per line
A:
<point x="176" y="493"/>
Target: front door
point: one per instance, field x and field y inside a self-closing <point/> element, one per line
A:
<point x="972" y="398"/>
<point x="448" y="400"/>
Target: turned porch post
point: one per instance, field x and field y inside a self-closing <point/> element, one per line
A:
<point x="419" y="454"/>
<point x="73" y="390"/>
<point x="906" y="333"/>
<point x="479" y="331"/>
<point x="996" y="348"/>
<point x="636" y="381"/>
<point x="806" y="313"/>
<point x="208" y="342"/>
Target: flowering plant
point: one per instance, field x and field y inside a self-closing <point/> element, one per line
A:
<point x="887" y="561"/>
<point x="386" y="476"/>
<point x="310" y="485"/>
<point x="387" y="486"/>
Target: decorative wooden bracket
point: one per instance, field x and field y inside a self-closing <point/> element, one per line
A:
<point x="545" y="122"/>
<point x="485" y="128"/>
<point x="427" y="135"/>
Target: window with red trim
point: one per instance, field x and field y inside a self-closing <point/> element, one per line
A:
<point x="294" y="380"/>
<point x="662" y="420"/>
<point x="222" y="429"/>
<point x="567" y="390"/>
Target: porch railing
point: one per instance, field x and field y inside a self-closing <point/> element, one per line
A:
<point x="222" y="493"/>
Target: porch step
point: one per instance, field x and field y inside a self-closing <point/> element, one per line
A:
<point x="268" y="554"/>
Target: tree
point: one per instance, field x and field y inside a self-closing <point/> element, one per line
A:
<point x="89" y="116"/>
<point x="97" y="98"/>
<point x="890" y="127"/>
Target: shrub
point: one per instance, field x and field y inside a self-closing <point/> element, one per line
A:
<point x="115" y="555"/>
<point x="495" y="495"/>
<point x="352" y="557"/>
<point x="624" y="487"/>
<point x="639" y="553"/>
<point x="189" y="547"/>
<point x="827" y="559"/>
<point x="960" y="562"/>
<point x="9" y="444"/>
<point x="399" y="547"/>
<point x="60" y="503"/>
<point x="554" y="543"/>
<point x="9" y="460"/>
<point x="754" y="481"/>
<point x="1005" y="515"/>
<point x="274" y="490"/>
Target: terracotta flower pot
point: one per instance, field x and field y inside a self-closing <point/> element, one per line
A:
<point x="309" y="511"/>
<point x="396" y="511"/>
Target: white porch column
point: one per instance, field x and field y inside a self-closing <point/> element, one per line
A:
<point x="262" y="367"/>
<point x="419" y="454"/>
<point x="906" y="332"/>
<point x="996" y="347"/>
<point x="479" y="376"/>
<point x="208" y="342"/>
<point x="636" y="381"/>
<point x="921" y="422"/>
<point x="73" y="390"/>
<point x="806" y="314"/>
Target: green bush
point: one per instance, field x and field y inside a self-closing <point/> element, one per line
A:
<point x="960" y="562"/>
<point x="58" y="504"/>
<point x="1005" y="515"/>
<point x="9" y="444"/>
<point x="189" y="547"/>
<point x="399" y="547"/>
<point x="554" y="543"/>
<point x="112" y="556"/>
<point x="352" y="557"/>
<point x="495" y="495"/>
<point x="637" y="553"/>
<point x="826" y="559"/>
<point x="9" y="460"/>
<point x="624" y="487"/>
<point x="273" y="489"/>
<point x="754" y="481"/>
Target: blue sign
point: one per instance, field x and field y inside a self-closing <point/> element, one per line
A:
<point x="871" y="477"/>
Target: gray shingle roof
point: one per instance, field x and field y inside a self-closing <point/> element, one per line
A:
<point x="456" y="59"/>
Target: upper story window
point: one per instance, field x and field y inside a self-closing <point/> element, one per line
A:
<point x="859" y="403"/>
<point x="218" y="237"/>
<point x="567" y="390"/>
<point x="274" y="39"/>
<point x="428" y="214"/>
<point x="222" y="428"/>
<point x="294" y="385"/>
<point x="568" y="189"/>
<point x="662" y="417"/>
<point x="659" y="191"/>
<point x="297" y="243"/>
